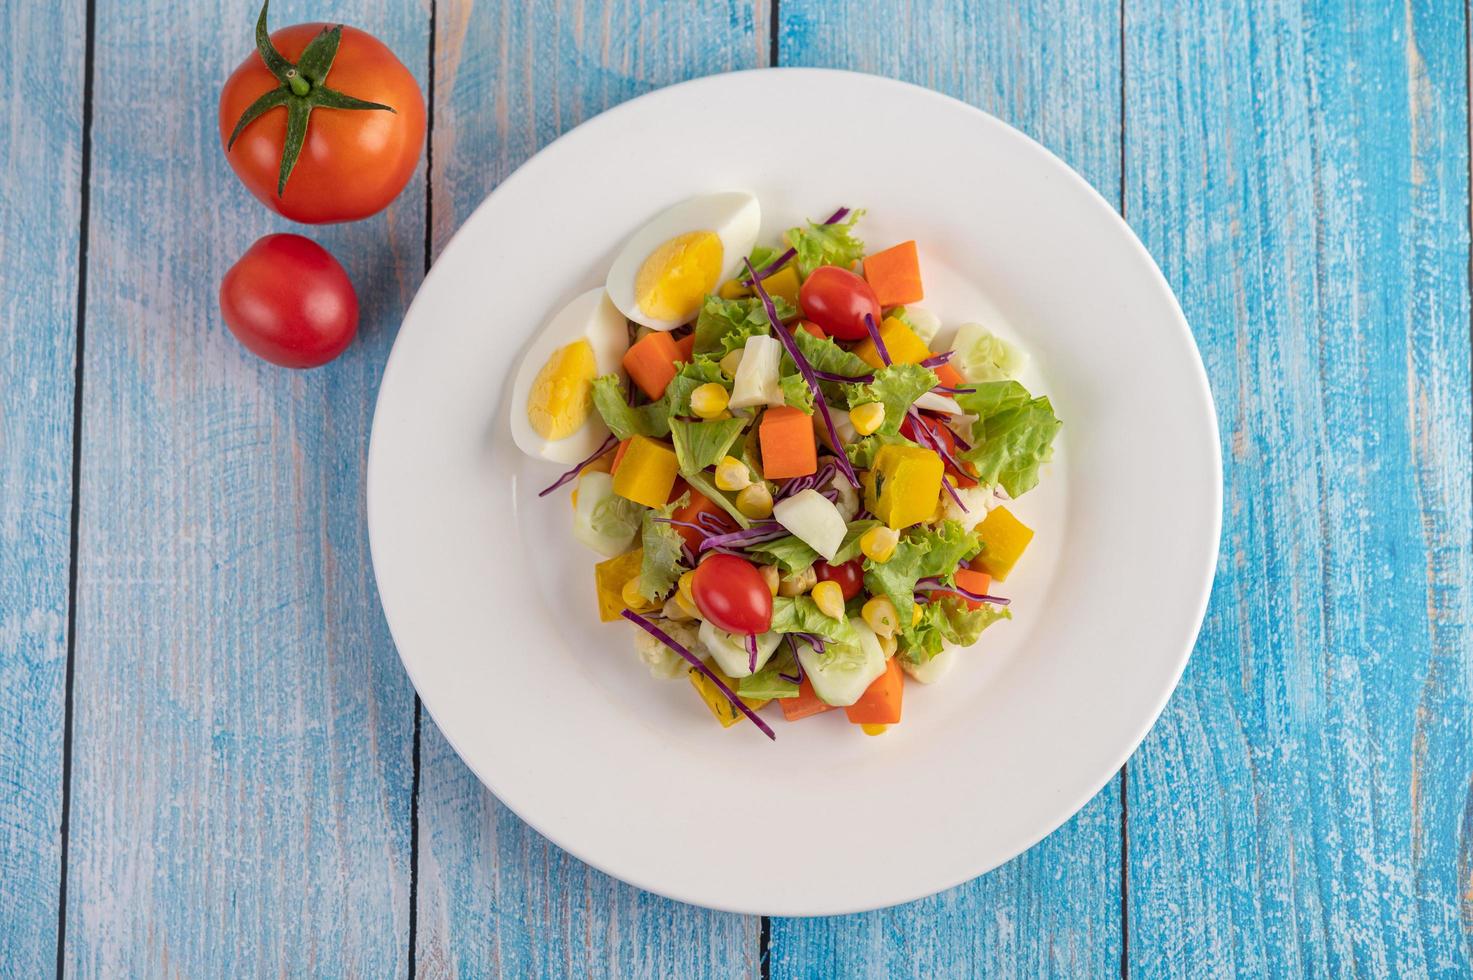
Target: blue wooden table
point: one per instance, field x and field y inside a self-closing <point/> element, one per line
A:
<point x="211" y="763"/>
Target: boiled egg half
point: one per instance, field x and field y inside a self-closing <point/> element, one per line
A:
<point x="552" y="414"/>
<point x="665" y="270"/>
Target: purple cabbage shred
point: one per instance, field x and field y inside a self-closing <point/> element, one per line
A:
<point x="609" y="443"/>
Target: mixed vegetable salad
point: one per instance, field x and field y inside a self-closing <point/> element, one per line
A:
<point x="799" y="498"/>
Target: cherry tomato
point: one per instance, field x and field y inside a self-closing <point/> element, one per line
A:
<point x="849" y="575"/>
<point x="730" y="593"/>
<point x="938" y="430"/>
<point x="353" y="162"/>
<point x="289" y="301"/>
<point x="837" y="300"/>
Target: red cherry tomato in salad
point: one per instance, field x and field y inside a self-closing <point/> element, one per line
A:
<point x="849" y="575"/>
<point x="289" y="301"/>
<point x="837" y="300"/>
<point x="938" y="430"/>
<point x="731" y="595"/>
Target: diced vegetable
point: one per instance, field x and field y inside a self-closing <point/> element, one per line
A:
<point x="813" y="519"/>
<point x="730" y="651"/>
<point x="602" y="520"/>
<point x="925" y="323"/>
<point x="619" y="456"/>
<point x="974" y="582"/>
<point x="880" y="702"/>
<point x="663" y="662"/>
<point x="721" y="706"/>
<point x="650" y="362"/>
<point x="646" y="472"/>
<point x="843" y="671"/>
<point x="788" y="446"/>
<point x="758" y="376"/>
<point x="686" y="347"/>
<point x="895" y="275"/>
<point x="609" y="578"/>
<point x="783" y="284"/>
<point x="903" y="485"/>
<point x="949" y="376"/>
<point x="690" y="514"/>
<point x="1004" y="539"/>
<point x="805" y="705"/>
<point x="901" y="343"/>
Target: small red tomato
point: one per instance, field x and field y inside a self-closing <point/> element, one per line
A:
<point x="849" y="575"/>
<point x="731" y="595"/>
<point x="837" y="300"/>
<point x="290" y="302"/>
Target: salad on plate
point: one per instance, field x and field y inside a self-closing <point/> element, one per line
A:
<point x="800" y="495"/>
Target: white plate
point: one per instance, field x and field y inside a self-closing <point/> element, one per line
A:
<point x="491" y="603"/>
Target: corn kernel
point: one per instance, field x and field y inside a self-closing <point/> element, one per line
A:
<point x="731" y="362"/>
<point x="888" y="646"/>
<point x="682" y="585"/>
<point x="867" y="418"/>
<point x="709" y="400"/>
<point x="797" y="583"/>
<point x="878" y="544"/>
<point x="873" y="729"/>
<point x="915" y="614"/>
<point x="879" y="614"/>
<point x="755" y="501"/>
<point x="829" y="598"/>
<point x="771" y="576"/>
<point x="687" y="605"/>
<point x="632" y="597"/>
<point x="732" y="474"/>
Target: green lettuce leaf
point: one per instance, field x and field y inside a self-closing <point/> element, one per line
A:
<point x="796" y="392"/>
<point x="702" y="444"/>
<point x="947" y="620"/>
<point x="701" y="484"/>
<point x="725" y="324"/>
<point x="660" y="566"/>
<point x="624" y="420"/>
<point x="766" y="683"/>
<point x="789" y="553"/>
<point x="820" y="244"/>
<point x="1012" y="436"/>
<point x="762" y="256"/>
<point x="923" y="552"/>
<point x="896" y="387"/>
<point x="823" y="354"/>
<point x="800" y="614"/>
<point x="849" y="547"/>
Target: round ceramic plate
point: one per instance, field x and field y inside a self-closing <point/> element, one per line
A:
<point x="491" y="601"/>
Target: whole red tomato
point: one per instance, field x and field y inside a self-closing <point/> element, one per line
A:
<point x="837" y="300"/>
<point x="353" y="161"/>
<point x="849" y="576"/>
<point x="289" y="301"/>
<point x="731" y="595"/>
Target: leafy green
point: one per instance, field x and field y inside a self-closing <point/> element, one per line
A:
<point x="820" y="244"/>
<point x="849" y="547"/>
<point x="1012" y="436"/>
<point x="624" y="420"/>
<point x="896" y="386"/>
<point x="823" y="354"/>
<point x="736" y="319"/>
<point x="766" y="683"/>
<point x="690" y="376"/>
<point x="762" y="256"/>
<point x="701" y="484"/>
<point x="789" y="553"/>
<point x="796" y="392"/>
<point x="660" y="566"/>
<point x="702" y="444"/>
<point x="862" y="451"/>
<point x="947" y="620"/>
<point x="923" y="552"/>
<point x="801" y="614"/>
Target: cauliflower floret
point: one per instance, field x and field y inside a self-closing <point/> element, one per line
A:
<point x="848" y="502"/>
<point x="978" y="501"/>
<point x="662" y="661"/>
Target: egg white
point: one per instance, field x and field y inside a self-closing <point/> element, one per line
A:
<point x="590" y="316"/>
<point x="734" y="216"/>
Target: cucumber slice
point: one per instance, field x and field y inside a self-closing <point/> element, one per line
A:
<point x="932" y="670"/>
<point x="730" y="650"/>
<point x="843" y="671"/>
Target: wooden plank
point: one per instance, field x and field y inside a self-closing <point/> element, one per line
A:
<point x="40" y="198"/>
<point x="1301" y="172"/>
<point x="242" y="754"/>
<point x="1051" y="69"/>
<point x="494" y="896"/>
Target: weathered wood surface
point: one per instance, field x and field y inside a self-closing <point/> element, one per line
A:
<point x="1301" y="173"/>
<point x="40" y="215"/>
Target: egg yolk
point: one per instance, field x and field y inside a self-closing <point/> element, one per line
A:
<point x="562" y="393"/>
<point x="677" y="276"/>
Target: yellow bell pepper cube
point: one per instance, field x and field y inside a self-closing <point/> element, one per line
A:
<point x="646" y="472"/>
<point x="901" y="343"/>
<point x="719" y="703"/>
<point x="733" y="289"/>
<point x="902" y="485"/>
<point x="609" y="578"/>
<point x="1004" y="538"/>
<point x="784" y="283"/>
